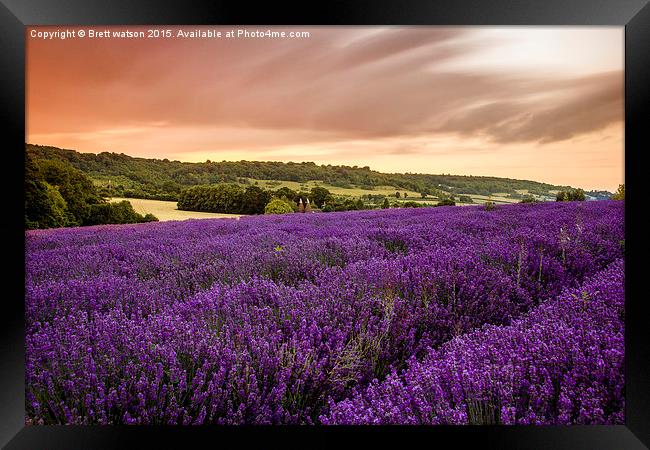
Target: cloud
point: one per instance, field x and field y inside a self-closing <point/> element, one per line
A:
<point x="340" y="84"/>
<point x="570" y="108"/>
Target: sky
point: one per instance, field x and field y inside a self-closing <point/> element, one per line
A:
<point x="535" y="103"/>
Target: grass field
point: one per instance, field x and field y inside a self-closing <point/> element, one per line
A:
<point x="351" y="192"/>
<point x="165" y="211"/>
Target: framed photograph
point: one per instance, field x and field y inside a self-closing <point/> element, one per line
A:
<point x="303" y="225"/>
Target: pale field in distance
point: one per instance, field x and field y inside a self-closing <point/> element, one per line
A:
<point x="165" y="211"/>
<point x="350" y="192"/>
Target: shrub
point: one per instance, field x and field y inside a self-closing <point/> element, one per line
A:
<point x="116" y="213"/>
<point x="278" y="206"/>
<point x="570" y="196"/>
<point x="446" y="202"/>
<point x="222" y="198"/>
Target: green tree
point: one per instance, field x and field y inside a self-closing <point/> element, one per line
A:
<point x="577" y="195"/>
<point x="397" y="195"/>
<point x="620" y="193"/>
<point x="170" y="186"/>
<point x="222" y="198"/>
<point x="277" y="206"/>
<point x="570" y="195"/>
<point x="386" y="204"/>
<point x="57" y="194"/>
<point x="116" y="213"/>
<point x="58" y="206"/>
<point x="286" y="192"/>
<point x="254" y="200"/>
<point x="320" y="195"/>
<point x="446" y="202"/>
<point x="74" y="186"/>
<point x="40" y="208"/>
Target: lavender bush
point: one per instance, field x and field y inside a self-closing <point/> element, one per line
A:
<point x="429" y="315"/>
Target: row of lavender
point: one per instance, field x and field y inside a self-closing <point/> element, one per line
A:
<point x="303" y="319"/>
<point x="560" y="364"/>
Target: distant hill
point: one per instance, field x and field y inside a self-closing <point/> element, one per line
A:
<point x="598" y="195"/>
<point x="164" y="179"/>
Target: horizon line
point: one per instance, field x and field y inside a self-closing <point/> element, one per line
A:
<point x="320" y="165"/>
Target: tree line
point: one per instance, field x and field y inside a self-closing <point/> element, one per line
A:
<point x="58" y="195"/>
<point x="573" y="195"/>
<point x="231" y="198"/>
<point x="163" y="179"/>
<point x="234" y="199"/>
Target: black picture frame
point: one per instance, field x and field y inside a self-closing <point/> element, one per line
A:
<point x="15" y="15"/>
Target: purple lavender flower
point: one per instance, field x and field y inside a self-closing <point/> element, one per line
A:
<point x="419" y="316"/>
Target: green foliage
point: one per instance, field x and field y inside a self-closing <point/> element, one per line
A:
<point x="116" y="213"/>
<point x="529" y="199"/>
<point x="446" y="202"/>
<point x="290" y="194"/>
<point x="344" y="204"/>
<point x="74" y="186"/>
<point x="278" y="206"/>
<point x="397" y="195"/>
<point x="376" y="199"/>
<point x="221" y="198"/>
<point x="465" y="199"/>
<point x="571" y="195"/>
<point x="254" y="200"/>
<point x="489" y="206"/>
<point x="164" y="179"/>
<point x="620" y="193"/>
<point x="58" y="204"/>
<point x="43" y="202"/>
<point x="412" y="204"/>
<point x="320" y="195"/>
<point x="386" y="204"/>
<point x="57" y="195"/>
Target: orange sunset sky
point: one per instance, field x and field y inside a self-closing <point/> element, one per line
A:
<point x="539" y="103"/>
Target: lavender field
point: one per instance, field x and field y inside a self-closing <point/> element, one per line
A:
<point x="409" y="316"/>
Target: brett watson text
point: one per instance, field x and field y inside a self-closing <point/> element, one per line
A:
<point x="197" y="33"/>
